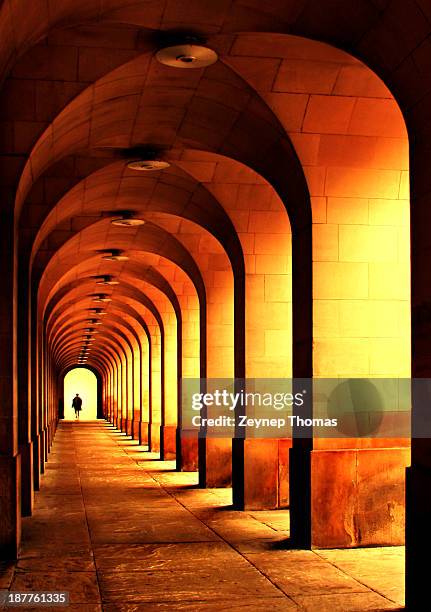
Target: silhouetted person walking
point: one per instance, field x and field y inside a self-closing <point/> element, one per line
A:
<point x="77" y="404"/>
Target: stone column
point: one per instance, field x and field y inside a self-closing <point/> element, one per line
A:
<point x="418" y="483"/>
<point x="24" y="388"/>
<point x="10" y="460"/>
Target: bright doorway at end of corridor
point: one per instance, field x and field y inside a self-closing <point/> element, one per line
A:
<point x="84" y="382"/>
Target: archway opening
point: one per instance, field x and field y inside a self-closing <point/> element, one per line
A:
<point x="84" y="382"/>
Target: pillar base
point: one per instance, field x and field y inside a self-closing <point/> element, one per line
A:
<point x="36" y="463"/>
<point x="300" y="494"/>
<point x="46" y="444"/>
<point x="261" y="473"/>
<point x="418" y="537"/>
<point x="10" y="503"/>
<point x="168" y="442"/>
<point x="358" y="497"/>
<point x="136" y="429"/>
<point x="50" y="430"/>
<point x="143" y="433"/>
<point x="42" y="441"/>
<point x="129" y="427"/>
<point x="187" y="452"/>
<point x="215" y="462"/>
<point x="27" y="479"/>
<point x="154" y="437"/>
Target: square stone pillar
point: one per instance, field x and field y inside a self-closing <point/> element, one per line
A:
<point x="418" y="538"/>
<point x="10" y="506"/>
<point x="27" y="479"/>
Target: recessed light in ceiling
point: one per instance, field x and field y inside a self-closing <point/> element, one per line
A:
<point x="98" y="311"/>
<point x="107" y="279"/>
<point x="102" y="297"/>
<point x="127" y="222"/>
<point x="186" y="56"/>
<point x="115" y="255"/>
<point x="148" y="165"/>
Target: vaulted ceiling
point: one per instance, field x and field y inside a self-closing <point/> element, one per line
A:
<point x="244" y="139"/>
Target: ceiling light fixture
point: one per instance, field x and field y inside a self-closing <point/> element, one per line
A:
<point x="98" y="311"/>
<point x="115" y="255"/>
<point x="127" y="219"/>
<point x="147" y="165"/>
<point x="187" y="56"/>
<point x="94" y="321"/>
<point x="106" y="279"/>
<point x="101" y="297"/>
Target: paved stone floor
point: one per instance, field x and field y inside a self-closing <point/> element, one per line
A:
<point x="122" y="531"/>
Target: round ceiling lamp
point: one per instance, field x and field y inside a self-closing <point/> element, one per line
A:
<point x="186" y="56"/>
<point x="115" y="255"/>
<point x="102" y="297"/>
<point x="127" y="222"/>
<point x="98" y="311"/>
<point x="106" y="279"/>
<point x="148" y="165"/>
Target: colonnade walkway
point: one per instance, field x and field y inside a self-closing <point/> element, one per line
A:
<point x="122" y="531"/>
